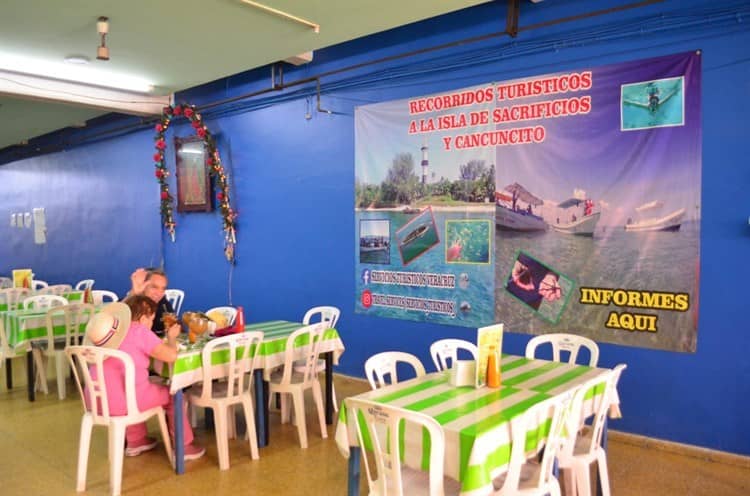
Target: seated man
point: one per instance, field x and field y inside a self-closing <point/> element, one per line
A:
<point x="152" y="283"/>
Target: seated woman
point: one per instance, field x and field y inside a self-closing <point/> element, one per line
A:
<point x="127" y="326"/>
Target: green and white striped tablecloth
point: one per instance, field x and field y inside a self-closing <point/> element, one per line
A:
<point x="188" y="368"/>
<point x="22" y="327"/>
<point x="71" y="296"/>
<point x="476" y="421"/>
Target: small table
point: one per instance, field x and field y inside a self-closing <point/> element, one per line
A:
<point x="188" y="369"/>
<point x="476" y="422"/>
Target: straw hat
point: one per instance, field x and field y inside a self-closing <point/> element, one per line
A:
<point x="108" y="327"/>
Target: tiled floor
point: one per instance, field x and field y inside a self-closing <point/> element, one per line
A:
<point x="38" y="453"/>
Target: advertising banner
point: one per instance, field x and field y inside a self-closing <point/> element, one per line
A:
<point x="565" y="202"/>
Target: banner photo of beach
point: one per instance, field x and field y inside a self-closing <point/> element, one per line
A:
<point x="598" y="212"/>
<point x="566" y="202"/>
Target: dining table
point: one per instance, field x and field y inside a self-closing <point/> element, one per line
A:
<point x="188" y="369"/>
<point x="476" y="421"/>
<point x="72" y="296"/>
<point x="23" y="328"/>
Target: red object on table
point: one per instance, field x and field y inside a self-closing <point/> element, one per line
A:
<point x="224" y="331"/>
<point x="239" y="320"/>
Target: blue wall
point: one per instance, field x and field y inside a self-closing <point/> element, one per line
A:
<point x="293" y="182"/>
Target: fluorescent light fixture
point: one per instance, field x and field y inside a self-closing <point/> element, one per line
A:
<point x="74" y="73"/>
<point x="77" y="59"/>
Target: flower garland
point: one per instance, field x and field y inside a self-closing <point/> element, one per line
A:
<point x="216" y="170"/>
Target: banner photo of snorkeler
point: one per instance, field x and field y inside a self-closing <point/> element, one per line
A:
<point x="598" y="202"/>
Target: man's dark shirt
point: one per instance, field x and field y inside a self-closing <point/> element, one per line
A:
<point x="161" y="308"/>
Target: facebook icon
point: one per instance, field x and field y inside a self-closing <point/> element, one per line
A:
<point x="366" y="276"/>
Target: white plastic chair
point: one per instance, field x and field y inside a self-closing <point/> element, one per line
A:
<point x="444" y="350"/>
<point x="44" y="301"/>
<point x="530" y="476"/>
<point x="229" y="313"/>
<point x="562" y="342"/>
<point x="380" y="365"/>
<point x="6" y="282"/>
<point x="383" y="427"/>
<point x="84" y="284"/>
<point x="288" y="382"/>
<point x="582" y="448"/>
<point x="175" y="297"/>
<point x="13" y="297"/>
<point x="221" y="396"/>
<point x="37" y="284"/>
<point x="100" y="296"/>
<point x="72" y="317"/>
<point x="329" y="316"/>
<point x="6" y="352"/>
<point x="84" y="360"/>
<point x="56" y="289"/>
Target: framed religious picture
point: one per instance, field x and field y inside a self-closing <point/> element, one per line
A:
<point x="193" y="181"/>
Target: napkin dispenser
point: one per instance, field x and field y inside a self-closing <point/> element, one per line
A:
<point x="463" y="373"/>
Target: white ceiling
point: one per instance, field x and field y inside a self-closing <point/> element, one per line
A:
<point x="178" y="44"/>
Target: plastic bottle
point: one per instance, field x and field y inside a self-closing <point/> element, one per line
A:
<point x="493" y="371"/>
<point x="239" y="320"/>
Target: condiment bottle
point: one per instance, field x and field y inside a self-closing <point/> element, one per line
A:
<point x="493" y="371"/>
<point x="239" y="320"/>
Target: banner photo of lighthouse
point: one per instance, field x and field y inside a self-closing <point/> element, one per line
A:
<point x="424" y="219"/>
<point x="563" y="202"/>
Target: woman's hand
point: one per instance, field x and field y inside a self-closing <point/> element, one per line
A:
<point x="167" y="351"/>
<point x="172" y="333"/>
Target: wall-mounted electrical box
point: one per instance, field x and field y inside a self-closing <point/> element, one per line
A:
<point x="40" y="226"/>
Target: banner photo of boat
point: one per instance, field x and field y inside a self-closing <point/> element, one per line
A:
<point x="417" y="236"/>
<point x="515" y="212"/>
<point x="669" y="222"/>
<point x="582" y="225"/>
<point x="607" y="198"/>
<point x="374" y="241"/>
